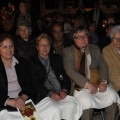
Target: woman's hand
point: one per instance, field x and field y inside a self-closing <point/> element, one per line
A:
<point x="63" y="94"/>
<point x="55" y="96"/>
<point x="102" y="86"/>
<point x="19" y="102"/>
<point x="92" y="89"/>
<point x="11" y="102"/>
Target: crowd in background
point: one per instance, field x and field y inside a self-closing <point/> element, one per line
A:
<point x="37" y="45"/>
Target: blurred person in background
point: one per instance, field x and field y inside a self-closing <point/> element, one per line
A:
<point x="60" y="41"/>
<point x="93" y="36"/>
<point x="25" y="42"/>
<point x="25" y="16"/>
<point x="104" y="38"/>
<point x="96" y="15"/>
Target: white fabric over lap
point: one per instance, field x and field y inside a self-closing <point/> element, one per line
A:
<point x="98" y="100"/>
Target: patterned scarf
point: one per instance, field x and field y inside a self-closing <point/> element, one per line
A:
<point x="51" y="82"/>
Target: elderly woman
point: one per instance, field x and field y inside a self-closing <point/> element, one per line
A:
<point x="14" y="77"/>
<point x="55" y="84"/>
<point x="111" y="54"/>
<point x="25" y="43"/>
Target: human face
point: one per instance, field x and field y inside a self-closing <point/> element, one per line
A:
<point x="76" y="24"/>
<point x="108" y="30"/>
<point x="92" y="28"/>
<point x="6" y="49"/>
<point x="111" y="20"/>
<point x="116" y="40"/>
<point x="22" y="8"/>
<point x="43" y="48"/>
<point x="57" y="33"/>
<point x="81" y="39"/>
<point x="23" y="32"/>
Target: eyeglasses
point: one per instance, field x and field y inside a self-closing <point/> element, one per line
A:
<point x="80" y="37"/>
<point x="44" y="45"/>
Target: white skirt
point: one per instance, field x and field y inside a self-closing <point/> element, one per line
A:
<point x="98" y="100"/>
<point x="49" y="109"/>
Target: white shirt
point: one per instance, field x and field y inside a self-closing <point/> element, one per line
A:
<point x="13" y="85"/>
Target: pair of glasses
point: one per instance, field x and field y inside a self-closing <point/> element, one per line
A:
<point x="80" y="37"/>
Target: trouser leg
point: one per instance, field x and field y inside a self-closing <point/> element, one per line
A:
<point x="87" y="114"/>
<point x="111" y="112"/>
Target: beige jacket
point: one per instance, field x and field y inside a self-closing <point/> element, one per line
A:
<point x="112" y="58"/>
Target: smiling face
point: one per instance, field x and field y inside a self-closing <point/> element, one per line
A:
<point x="6" y="49"/>
<point x="43" y="47"/>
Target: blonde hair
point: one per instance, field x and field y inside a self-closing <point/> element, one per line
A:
<point x="41" y="36"/>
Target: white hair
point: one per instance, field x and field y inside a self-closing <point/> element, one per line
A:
<point x="114" y="30"/>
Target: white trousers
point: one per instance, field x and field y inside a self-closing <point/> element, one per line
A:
<point x="98" y="100"/>
<point x="49" y="109"/>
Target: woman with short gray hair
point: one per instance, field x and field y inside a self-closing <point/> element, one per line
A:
<point x="25" y="42"/>
<point x="116" y="29"/>
<point x="111" y="54"/>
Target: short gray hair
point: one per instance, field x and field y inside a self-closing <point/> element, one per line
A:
<point x="114" y="30"/>
<point x="26" y="25"/>
<point x="80" y="29"/>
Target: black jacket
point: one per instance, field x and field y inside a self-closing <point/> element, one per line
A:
<point x="39" y="75"/>
<point x="23" y="75"/>
<point x="25" y="49"/>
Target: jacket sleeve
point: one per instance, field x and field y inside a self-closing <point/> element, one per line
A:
<point x="38" y="79"/>
<point x="112" y="61"/>
<point x="63" y="77"/>
<point x="3" y="93"/>
<point x="69" y="66"/>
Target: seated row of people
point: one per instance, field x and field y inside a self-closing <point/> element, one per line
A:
<point x="44" y="80"/>
<point x="47" y="83"/>
<point x="86" y="67"/>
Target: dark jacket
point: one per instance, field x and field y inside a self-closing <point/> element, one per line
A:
<point x="39" y="75"/>
<point x="100" y="20"/>
<point x="25" y="49"/>
<point x="23" y="75"/>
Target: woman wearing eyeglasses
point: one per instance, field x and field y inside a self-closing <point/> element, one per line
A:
<point x="54" y="87"/>
<point x="15" y="87"/>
